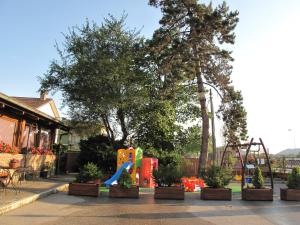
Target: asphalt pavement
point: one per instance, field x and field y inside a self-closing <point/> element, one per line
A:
<point x="61" y="209"/>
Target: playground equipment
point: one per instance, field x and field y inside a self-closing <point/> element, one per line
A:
<point x="251" y="160"/>
<point x="129" y="159"/>
<point x="146" y="178"/>
<point x="233" y="151"/>
<point x="115" y="177"/>
<point x="192" y="184"/>
<point x="132" y="160"/>
<point x="256" y="160"/>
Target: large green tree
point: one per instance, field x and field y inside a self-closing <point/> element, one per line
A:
<point x="188" y="46"/>
<point x="107" y="77"/>
<point x="161" y="123"/>
<point x="98" y="75"/>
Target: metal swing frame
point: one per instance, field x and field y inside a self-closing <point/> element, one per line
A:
<point x="236" y="148"/>
<point x="259" y="144"/>
<point x="243" y="163"/>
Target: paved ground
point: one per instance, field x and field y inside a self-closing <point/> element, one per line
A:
<point x="29" y="188"/>
<point x="61" y="209"/>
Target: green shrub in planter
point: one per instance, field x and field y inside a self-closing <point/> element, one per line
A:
<point x="217" y="177"/>
<point x="89" y="172"/>
<point x="294" y="179"/>
<point x="167" y="176"/>
<point x="258" y="179"/>
<point x="125" y="180"/>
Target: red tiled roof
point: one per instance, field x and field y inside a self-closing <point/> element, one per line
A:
<point x="32" y="102"/>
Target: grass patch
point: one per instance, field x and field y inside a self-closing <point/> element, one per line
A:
<point x="236" y="187"/>
<point x="104" y="189"/>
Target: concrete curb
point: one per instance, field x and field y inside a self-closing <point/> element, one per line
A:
<point x="30" y="199"/>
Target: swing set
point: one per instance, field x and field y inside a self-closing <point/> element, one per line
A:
<point x="252" y="159"/>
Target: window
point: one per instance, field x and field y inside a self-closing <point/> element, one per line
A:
<point x="45" y="140"/>
<point x="24" y="138"/>
<point x="7" y="130"/>
<point x="33" y="137"/>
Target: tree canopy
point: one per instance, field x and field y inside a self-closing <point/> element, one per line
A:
<point x="188" y="46"/>
<point x="98" y="75"/>
<point x="145" y="92"/>
<point x="108" y="77"/>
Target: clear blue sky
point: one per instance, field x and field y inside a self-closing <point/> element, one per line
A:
<point x="266" y="52"/>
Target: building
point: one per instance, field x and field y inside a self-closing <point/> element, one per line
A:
<point x="29" y="122"/>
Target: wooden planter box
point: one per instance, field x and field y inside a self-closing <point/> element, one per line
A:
<point x="118" y="192"/>
<point x="252" y="194"/>
<point x="216" y="194"/>
<point x="84" y="189"/>
<point x="289" y="194"/>
<point x="176" y="193"/>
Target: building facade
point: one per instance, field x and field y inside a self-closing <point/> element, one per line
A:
<point x="29" y="122"/>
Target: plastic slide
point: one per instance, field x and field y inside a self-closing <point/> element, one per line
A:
<point x="113" y="180"/>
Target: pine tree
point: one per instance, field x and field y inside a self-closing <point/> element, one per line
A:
<point x="188" y="48"/>
<point x="258" y="179"/>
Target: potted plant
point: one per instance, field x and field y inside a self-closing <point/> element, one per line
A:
<point x="124" y="188"/>
<point x="168" y="183"/>
<point x="14" y="163"/>
<point x="292" y="193"/>
<point x="216" y="178"/>
<point x="45" y="170"/>
<point x="258" y="192"/>
<point x="85" y="181"/>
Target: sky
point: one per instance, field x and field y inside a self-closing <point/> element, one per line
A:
<point x="265" y="67"/>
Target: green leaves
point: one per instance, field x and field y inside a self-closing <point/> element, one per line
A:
<point x="294" y="179"/>
<point x="189" y="50"/>
<point x="99" y="74"/>
<point x="97" y="150"/>
<point x="167" y="176"/>
<point x="258" y="179"/>
<point x="217" y="177"/>
<point x="89" y="172"/>
<point x="125" y="180"/>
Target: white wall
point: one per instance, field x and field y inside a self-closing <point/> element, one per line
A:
<point x="47" y="109"/>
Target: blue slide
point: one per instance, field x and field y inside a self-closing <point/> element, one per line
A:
<point x="115" y="177"/>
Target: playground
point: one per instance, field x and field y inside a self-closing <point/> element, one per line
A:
<point x="143" y="173"/>
<point x="146" y="209"/>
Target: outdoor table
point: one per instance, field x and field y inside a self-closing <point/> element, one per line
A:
<point x="11" y="176"/>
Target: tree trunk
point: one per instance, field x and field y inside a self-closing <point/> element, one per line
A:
<point x="109" y="131"/>
<point x="121" y="117"/>
<point x="205" y="122"/>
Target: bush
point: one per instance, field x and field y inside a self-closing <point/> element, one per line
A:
<point x="98" y="151"/>
<point x="125" y="180"/>
<point x="217" y="177"/>
<point x="167" y="176"/>
<point x="88" y="172"/>
<point x="258" y="179"/>
<point x="165" y="158"/>
<point x="294" y="179"/>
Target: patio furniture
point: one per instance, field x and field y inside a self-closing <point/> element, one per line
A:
<point x="12" y="177"/>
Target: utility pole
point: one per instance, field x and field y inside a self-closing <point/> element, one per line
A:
<point x="213" y="128"/>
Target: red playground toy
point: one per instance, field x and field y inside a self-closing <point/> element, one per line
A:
<point x="192" y="184"/>
<point x="147" y="167"/>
